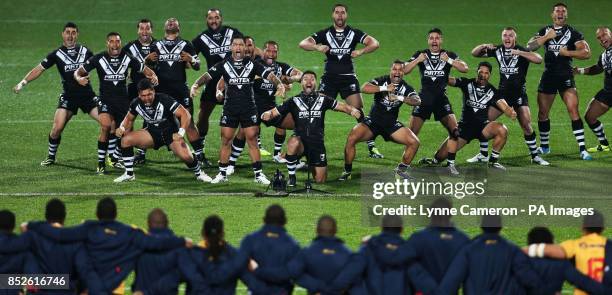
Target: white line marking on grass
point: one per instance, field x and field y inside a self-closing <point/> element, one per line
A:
<point x="155" y="194"/>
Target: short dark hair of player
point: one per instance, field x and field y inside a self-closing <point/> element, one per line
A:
<point x="144" y="21"/>
<point x="485" y="64"/>
<point x="157" y="218"/>
<point x="510" y="29"/>
<point x="236" y="37"/>
<point x="271" y="42"/>
<point x="326" y="226"/>
<point x="540" y="234"/>
<point x="559" y="4"/>
<point x="144" y="84"/>
<point x="441" y="220"/>
<point x="309" y="72"/>
<point x="392" y="224"/>
<point x="7" y="221"/>
<point x="214" y="9"/>
<point x="275" y="215"/>
<point x="593" y="223"/>
<point x="491" y="224"/>
<point x="340" y="5"/>
<point x="106" y="209"/>
<point x="435" y="30"/>
<point x="71" y="25"/>
<point x="397" y="62"/>
<point x="248" y="37"/>
<point x="112" y="34"/>
<point x="55" y="211"/>
<point x="212" y="231"/>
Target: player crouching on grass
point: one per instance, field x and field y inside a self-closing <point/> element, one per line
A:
<point x="160" y="113"/>
<point x="308" y="111"/>
<point x="478" y="97"/>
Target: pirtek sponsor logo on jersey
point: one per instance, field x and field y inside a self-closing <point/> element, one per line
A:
<point x="114" y="77"/>
<point x="339" y="51"/>
<point x="219" y="50"/>
<point x="309" y="114"/>
<point x="71" y="67"/>
<point x="433" y="73"/>
<point x="169" y="57"/>
<point x="554" y="45"/>
<point x="239" y="81"/>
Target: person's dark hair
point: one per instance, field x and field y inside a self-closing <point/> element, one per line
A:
<point x="396" y="62"/>
<point x="275" y="215"/>
<point x="559" y="4"/>
<point x="392" y="224"/>
<point x="435" y="30"/>
<point x="510" y="29"/>
<point x="237" y="36"/>
<point x="212" y="231"/>
<point x="593" y="223"/>
<point x="326" y="226"/>
<point x="7" y="221"/>
<point x="55" y="211"/>
<point x="309" y="72"/>
<point x="248" y="37"/>
<point x="144" y="84"/>
<point x="144" y="21"/>
<point x="340" y="5"/>
<point x="485" y="64"/>
<point x="112" y="34"/>
<point x="214" y="9"/>
<point x="441" y="220"/>
<point x="491" y="224"/>
<point x="157" y="219"/>
<point x="271" y="42"/>
<point x="106" y="209"/>
<point x="540" y="234"/>
<point x="71" y="25"/>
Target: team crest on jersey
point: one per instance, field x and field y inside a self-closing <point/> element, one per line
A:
<point x="72" y="64"/>
<point x="214" y="48"/>
<point x="555" y="45"/>
<point x="238" y="79"/>
<point x="507" y="62"/>
<point x="340" y="49"/>
<point x="479" y="97"/>
<point x="170" y="55"/>
<point x="434" y="67"/>
<point x="115" y="70"/>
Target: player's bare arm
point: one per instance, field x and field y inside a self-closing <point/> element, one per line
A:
<point x="370" y="88"/>
<point x="150" y="74"/>
<point x="185" y="119"/>
<point x="30" y="76"/>
<point x="126" y="124"/>
<point x="537" y="41"/>
<point x="280" y="87"/>
<point x="309" y="44"/>
<point x="204" y="79"/>
<point x="458" y="64"/>
<point x="589" y="71"/>
<point x="481" y="50"/>
<point x="583" y="51"/>
<point x="270" y="114"/>
<point x="220" y="89"/>
<point x="371" y="45"/>
<point x="345" y="108"/>
<point x="452" y="81"/>
<point x="409" y="66"/>
<point x="533" y="57"/>
<point x="81" y="76"/>
<point x="506" y="109"/>
<point x="412" y="100"/>
<point x="295" y="76"/>
<point x="191" y="61"/>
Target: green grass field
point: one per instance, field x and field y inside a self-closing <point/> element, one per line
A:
<point x="32" y="29"/>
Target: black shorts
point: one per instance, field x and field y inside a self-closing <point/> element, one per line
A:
<point x="210" y="92"/>
<point x="315" y="152"/>
<point x="440" y="108"/>
<point x="346" y="85"/>
<point x="162" y="136"/>
<point x="553" y="83"/>
<point x="118" y="110"/>
<point x="179" y="92"/>
<point x="515" y="98"/>
<point x="604" y="96"/>
<point x="384" y="130"/>
<point x="235" y="116"/>
<point x="472" y="130"/>
<point x="73" y="104"/>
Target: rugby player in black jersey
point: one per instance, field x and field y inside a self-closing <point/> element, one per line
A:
<point x="602" y="101"/>
<point x="561" y="44"/>
<point x="308" y="111"/>
<point x="140" y="49"/>
<point x="339" y="43"/>
<point x="478" y="97"/>
<point x="239" y="109"/>
<point x="161" y="113"/>
<point x="214" y="44"/>
<point x="68" y="58"/>
<point x="513" y="62"/>
<point x="112" y="67"/>
<point x="390" y="93"/>
<point x="434" y="65"/>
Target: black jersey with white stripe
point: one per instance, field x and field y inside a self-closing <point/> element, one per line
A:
<point x="68" y="60"/>
<point x="239" y="76"/>
<point x="215" y="45"/>
<point x="112" y="72"/>
<point x="476" y="100"/>
<point x="140" y="52"/>
<point x="170" y="68"/>
<point x="308" y="111"/>
<point x="512" y="68"/>
<point x="434" y="73"/>
<point x="264" y="89"/>
<point x="341" y="44"/>
<point x="383" y="110"/>
<point x="605" y="62"/>
<point x="567" y="36"/>
<point x="160" y="114"/>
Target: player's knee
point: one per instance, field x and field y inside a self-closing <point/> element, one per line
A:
<point x="320" y="177"/>
<point x="454" y="134"/>
<point x="293" y="144"/>
<point x="226" y="140"/>
<point x="414" y="141"/>
<point x="502" y="130"/>
<point x="126" y="142"/>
